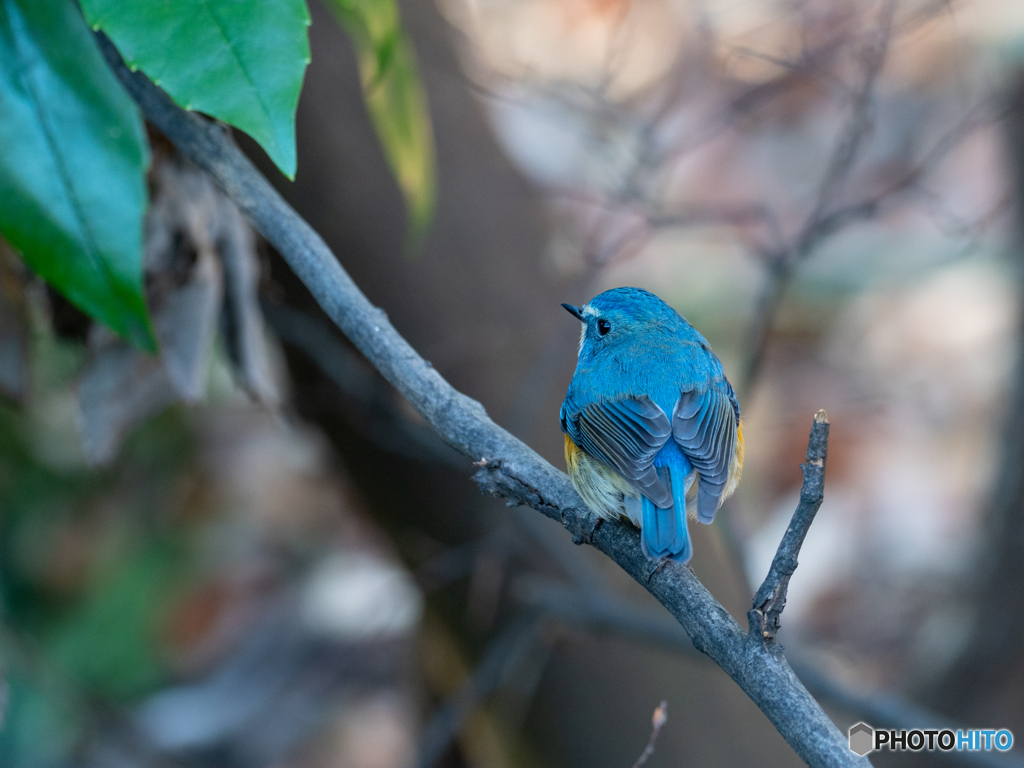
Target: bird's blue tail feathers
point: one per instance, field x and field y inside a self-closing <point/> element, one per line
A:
<point x="664" y="532"/>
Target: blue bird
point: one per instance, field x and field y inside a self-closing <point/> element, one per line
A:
<point x="652" y="426"/>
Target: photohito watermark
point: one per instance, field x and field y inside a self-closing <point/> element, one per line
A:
<point x="864" y="739"/>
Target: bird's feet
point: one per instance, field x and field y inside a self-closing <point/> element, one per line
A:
<point x="588" y="537"/>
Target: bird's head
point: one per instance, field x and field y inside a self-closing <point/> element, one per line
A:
<point x="622" y="316"/>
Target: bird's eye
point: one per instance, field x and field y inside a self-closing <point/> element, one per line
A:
<point x="603" y="326"/>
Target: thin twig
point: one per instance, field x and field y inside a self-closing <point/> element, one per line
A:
<point x="658" y="720"/>
<point x="770" y="599"/>
<point x="861" y="122"/>
<point x="508" y="467"/>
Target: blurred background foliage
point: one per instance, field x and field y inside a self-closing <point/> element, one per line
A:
<point x="249" y="551"/>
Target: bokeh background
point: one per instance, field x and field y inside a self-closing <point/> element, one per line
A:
<point x="290" y="571"/>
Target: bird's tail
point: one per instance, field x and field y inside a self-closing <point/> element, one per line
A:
<point x="664" y="532"/>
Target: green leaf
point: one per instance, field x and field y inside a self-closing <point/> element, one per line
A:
<point x="395" y="100"/>
<point x="241" y="61"/>
<point x="72" y="164"/>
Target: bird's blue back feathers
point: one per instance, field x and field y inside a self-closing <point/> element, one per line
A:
<point x="646" y="350"/>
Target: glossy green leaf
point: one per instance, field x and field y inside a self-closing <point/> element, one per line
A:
<point x="241" y="61"/>
<point x="395" y="100"/>
<point x="73" y="158"/>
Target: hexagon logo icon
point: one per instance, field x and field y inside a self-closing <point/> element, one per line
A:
<point x="862" y="738"/>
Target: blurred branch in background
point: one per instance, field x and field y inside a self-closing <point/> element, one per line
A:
<point x="664" y="127"/>
<point x="855" y="47"/>
<point x="824" y="219"/>
<point x="501" y="659"/>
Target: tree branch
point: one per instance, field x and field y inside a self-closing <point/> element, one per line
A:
<point x="509" y="468"/>
<point x="770" y="599"/>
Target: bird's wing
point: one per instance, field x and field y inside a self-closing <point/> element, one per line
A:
<point x="624" y="434"/>
<point x="704" y="426"/>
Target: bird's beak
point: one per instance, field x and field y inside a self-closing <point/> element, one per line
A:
<point x="574" y="311"/>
